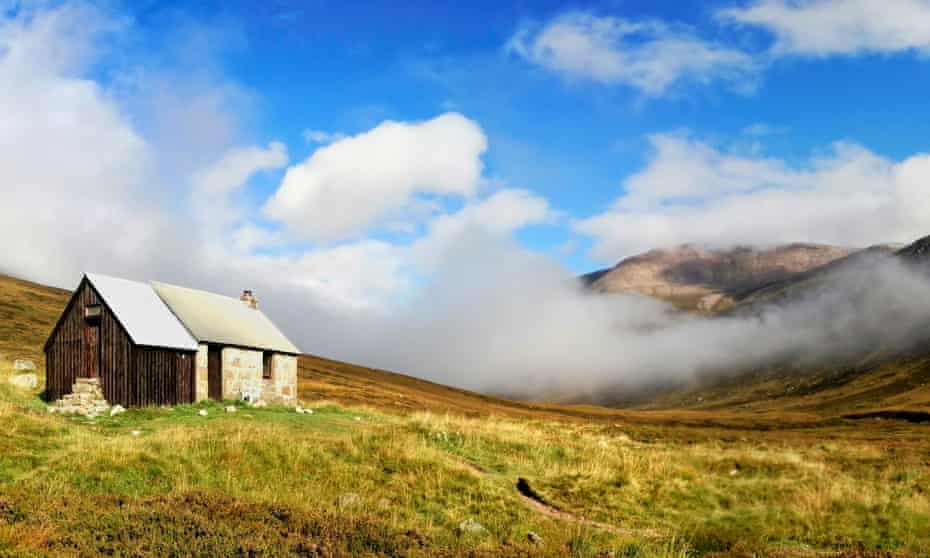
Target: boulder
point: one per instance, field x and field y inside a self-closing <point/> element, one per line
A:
<point x="470" y="526"/>
<point x="23" y="364"/>
<point x="25" y="381"/>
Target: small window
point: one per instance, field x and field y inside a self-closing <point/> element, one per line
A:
<point x="266" y="366"/>
<point x="92" y="312"/>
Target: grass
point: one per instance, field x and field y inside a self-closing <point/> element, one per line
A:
<point x="388" y="465"/>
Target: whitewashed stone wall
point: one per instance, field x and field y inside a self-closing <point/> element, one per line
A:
<point x="242" y="373"/>
<point x="201" y="390"/>
<point x="282" y="386"/>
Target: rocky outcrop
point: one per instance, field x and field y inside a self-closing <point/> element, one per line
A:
<point x="23" y="364"/>
<point x="86" y="398"/>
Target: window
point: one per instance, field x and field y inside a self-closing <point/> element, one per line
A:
<point x="92" y="312"/>
<point x="266" y="366"/>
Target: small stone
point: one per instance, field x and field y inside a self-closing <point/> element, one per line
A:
<point x="136" y="432"/>
<point x="202" y="412"/>
<point x="299" y="410"/>
<point x="308" y="411"/>
<point x="734" y="472"/>
<point x="230" y="409"/>
<point x="117" y="410"/>
<point x="23" y="364"/>
<point x="534" y="538"/>
<point x="358" y="419"/>
<point x="347" y="500"/>
<point x="25" y="381"/>
<point x="471" y="526"/>
<point x="259" y="404"/>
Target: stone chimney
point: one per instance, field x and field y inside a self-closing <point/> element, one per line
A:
<point x="249" y="299"/>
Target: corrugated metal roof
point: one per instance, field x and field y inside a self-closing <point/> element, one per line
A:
<point x="147" y="319"/>
<point x="220" y="319"/>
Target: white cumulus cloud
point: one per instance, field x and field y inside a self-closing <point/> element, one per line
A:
<point x="691" y="191"/>
<point x="345" y="188"/>
<point x="650" y="56"/>
<point x="838" y="27"/>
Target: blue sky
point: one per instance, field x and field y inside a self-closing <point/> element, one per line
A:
<point x="344" y="68"/>
<point x="584" y="132"/>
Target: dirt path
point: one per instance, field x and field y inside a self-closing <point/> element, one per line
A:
<point x="534" y="501"/>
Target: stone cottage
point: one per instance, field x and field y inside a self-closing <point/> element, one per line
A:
<point x="159" y="344"/>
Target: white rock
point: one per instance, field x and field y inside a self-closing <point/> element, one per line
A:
<point x="299" y="410"/>
<point x="136" y="432"/>
<point x="23" y="364"/>
<point x="308" y="411"/>
<point x="230" y="409"/>
<point x="358" y="418"/>
<point x="202" y="412"/>
<point x="25" y="381"/>
<point x="117" y="410"/>
<point x="471" y="526"/>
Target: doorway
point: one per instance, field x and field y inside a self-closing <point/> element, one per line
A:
<point x="214" y="373"/>
<point x="92" y="349"/>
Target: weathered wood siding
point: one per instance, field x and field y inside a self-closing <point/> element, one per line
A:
<point x="163" y="377"/>
<point x="129" y="375"/>
<point x="64" y="353"/>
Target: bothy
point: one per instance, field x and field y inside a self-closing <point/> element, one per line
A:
<point x="158" y="344"/>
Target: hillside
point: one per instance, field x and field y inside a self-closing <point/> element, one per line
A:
<point x="707" y="280"/>
<point x="388" y="465"/>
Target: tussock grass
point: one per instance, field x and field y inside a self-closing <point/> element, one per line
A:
<point x="355" y="481"/>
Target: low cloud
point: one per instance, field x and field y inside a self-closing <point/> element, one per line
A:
<point x="499" y="319"/>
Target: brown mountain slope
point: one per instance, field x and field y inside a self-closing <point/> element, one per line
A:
<point x="877" y="376"/>
<point x="705" y="279"/>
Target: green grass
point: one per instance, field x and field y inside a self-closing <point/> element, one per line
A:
<point x="269" y="481"/>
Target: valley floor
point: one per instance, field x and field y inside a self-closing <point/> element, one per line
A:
<point x="352" y="480"/>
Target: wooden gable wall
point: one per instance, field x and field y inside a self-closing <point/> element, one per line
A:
<point x="129" y="375"/>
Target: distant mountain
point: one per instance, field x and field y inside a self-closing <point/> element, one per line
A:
<point x="918" y="251"/>
<point x="892" y="378"/>
<point x="710" y="280"/>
